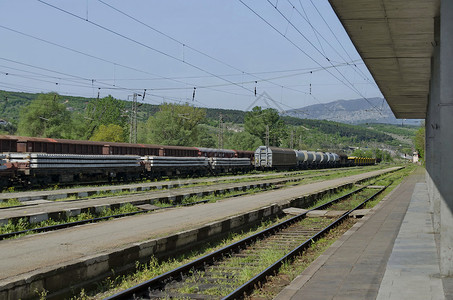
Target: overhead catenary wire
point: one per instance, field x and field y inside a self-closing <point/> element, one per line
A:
<point x="317" y="33"/>
<point x="184" y="45"/>
<point x="149" y="47"/>
<point x="198" y="85"/>
<point x="336" y="38"/>
<point x="100" y="59"/>
<point x="210" y="87"/>
<point x="140" y="43"/>
<point x="350" y="85"/>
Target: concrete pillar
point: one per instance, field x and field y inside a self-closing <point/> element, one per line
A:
<point x="429" y="142"/>
<point x="433" y="135"/>
<point x="446" y="137"/>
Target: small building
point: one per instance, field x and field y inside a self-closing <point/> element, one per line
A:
<point x="415" y="157"/>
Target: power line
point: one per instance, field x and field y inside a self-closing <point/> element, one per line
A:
<point x="116" y="87"/>
<point x="189" y="47"/>
<point x="294" y="44"/>
<point x="139" y="43"/>
<point x="336" y="38"/>
<point x="99" y="58"/>
<point x="356" y="69"/>
<point x="341" y="74"/>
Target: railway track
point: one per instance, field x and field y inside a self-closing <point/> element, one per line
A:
<point x="233" y="271"/>
<point x="25" y="196"/>
<point x="115" y="216"/>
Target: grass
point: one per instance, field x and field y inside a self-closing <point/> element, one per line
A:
<point x="155" y="267"/>
<point x="23" y="224"/>
<point x="10" y="203"/>
<point x="290" y="270"/>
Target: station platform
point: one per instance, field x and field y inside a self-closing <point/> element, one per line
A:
<point x="389" y="254"/>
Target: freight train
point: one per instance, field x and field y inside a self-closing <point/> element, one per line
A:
<point x="41" y="161"/>
<point x="281" y="158"/>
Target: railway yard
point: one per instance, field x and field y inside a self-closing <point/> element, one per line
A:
<point x="76" y="260"/>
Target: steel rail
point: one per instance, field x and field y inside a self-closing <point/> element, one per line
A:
<point x="94" y="220"/>
<point x="135" y="291"/>
<point x="271" y="270"/>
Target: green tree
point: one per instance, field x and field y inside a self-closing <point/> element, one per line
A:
<point x="108" y="133"/>
<point x="45" y="117"/>
<point x="257" y="120"/>
<point x="243" y="141"/>
<point x="175" y="125"/>
<point x="206" y="138"/>
<point x="419" y="141"/>
<point x="363" y="153"/>
<point x="105" y="111"/>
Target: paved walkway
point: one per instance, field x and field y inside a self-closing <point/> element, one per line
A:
<point x="389" y="254"/>
<point x="413" y="268"/>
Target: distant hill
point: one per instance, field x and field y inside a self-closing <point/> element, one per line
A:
<point x="357" y="111"/>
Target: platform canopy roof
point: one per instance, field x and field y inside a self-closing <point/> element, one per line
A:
<point x="395" y="39"/>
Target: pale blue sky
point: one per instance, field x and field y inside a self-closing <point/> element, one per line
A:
<point x="242" y="47"/>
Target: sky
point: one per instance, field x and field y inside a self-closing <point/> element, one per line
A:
<point x="232" y="54"/>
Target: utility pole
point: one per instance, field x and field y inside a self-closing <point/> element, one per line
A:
<point x="133" y="120"/>
<point x="291" y="144"/>
<point x="220" y="143"/>
<point x="267" y="135"/>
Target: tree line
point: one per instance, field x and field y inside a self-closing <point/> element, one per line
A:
<point x="107" y="119"/>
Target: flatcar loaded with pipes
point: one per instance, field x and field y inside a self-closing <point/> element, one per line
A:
<point x="29" y="161"/>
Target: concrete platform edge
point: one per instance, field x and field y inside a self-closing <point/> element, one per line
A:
<point x="308" y="273"/>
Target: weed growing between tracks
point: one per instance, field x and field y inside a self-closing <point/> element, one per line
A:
<point x="155" y="267"/>
<point x="394" y="180"/>
<point x="10" y="203"/>
<point x="24" y="224"/>
<point x="291" y="270"/>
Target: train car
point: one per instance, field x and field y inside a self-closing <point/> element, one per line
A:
<point x="111" y="148"/>
<point x="219" y="165"/>
<point x="58" y="146"/>
<point x="244" y="154"/>
<point x="318" y="160"/>
<point x="8" y="143"/>
<point x="178" y="151"/>
<point x="333" y="159"/>
<point x="6" y="173"/>
<point x="49" y="168"/>
<point x="275" y="158"/>
<point x="361" y="161"/>
<point x="211" y="152"/>
<point x="157" y="166"/>
<point x="301" y="158"/>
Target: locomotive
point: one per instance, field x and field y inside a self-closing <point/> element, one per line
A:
<point x="42" y="161"/>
